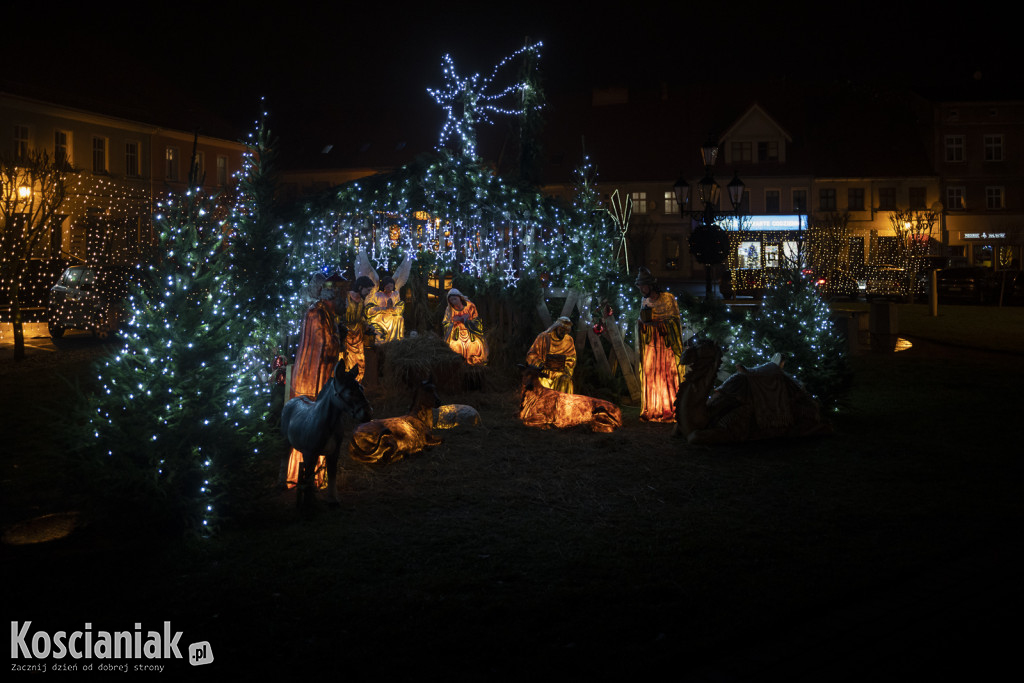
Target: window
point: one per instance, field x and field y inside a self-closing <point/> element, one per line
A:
<point x="131" y="159"/>
<point x="887" y="199"/>
<point x="772" y="202"/>
<point x="748" y="255"/>
<point x="671" y="204"/>
<point x="827" y="199"/>
<point x="200" y="167"/>
<point x="99" y="155"/>
<point x="993" y="148"/>
<point x="955" y="199"/>
<point x="799" y="201"/>
<point x="672" y="251"/>
<point x="222" y="170"/>
<point x="639" y="202"/>
<point x="741" y="151"/>
<point x="954" y="148"/>
<point x="62" y="147"/>
<point x="171" y="163"/>
<point x="20" y="140"/>
<point x="744" y="207"/>
<point x="855" y="198"/>
<point x="768" y="151"/>
<point x="994" y="198"/>
<point x="792" y="255"/>
<point x="918" y="201"/>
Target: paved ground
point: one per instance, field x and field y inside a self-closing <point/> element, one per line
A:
<point x="40" y="348"/>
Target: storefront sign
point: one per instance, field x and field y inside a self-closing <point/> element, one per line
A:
<point x="764" y="223"/>
<point x="984" y="235"/>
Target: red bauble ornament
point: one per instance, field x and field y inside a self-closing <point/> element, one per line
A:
<point x="598" y="328"/>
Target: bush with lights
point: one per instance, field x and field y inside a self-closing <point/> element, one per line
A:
<point x="793" y="321"/>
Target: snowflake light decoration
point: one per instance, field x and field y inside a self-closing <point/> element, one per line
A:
<point x="468" y="101"/>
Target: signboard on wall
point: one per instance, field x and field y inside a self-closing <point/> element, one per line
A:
<point x="983" y="235"/>
<point x="764" y="223"/>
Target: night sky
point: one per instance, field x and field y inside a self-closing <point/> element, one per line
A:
<point x="320" y="67"/>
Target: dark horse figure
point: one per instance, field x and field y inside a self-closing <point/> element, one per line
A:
<point x="316" y="428"/>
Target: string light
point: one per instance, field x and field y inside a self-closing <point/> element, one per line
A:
<point x="467" y="102"/>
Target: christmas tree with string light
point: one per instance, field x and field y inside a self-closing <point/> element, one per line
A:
<point x="258" y="256"/>
<point x="795" y="322"/>
<point x="168" y="435"/>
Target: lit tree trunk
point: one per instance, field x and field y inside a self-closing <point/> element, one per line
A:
<point x="32" y="189"/>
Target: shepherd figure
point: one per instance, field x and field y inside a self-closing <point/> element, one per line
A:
<point x="554" y="352"/>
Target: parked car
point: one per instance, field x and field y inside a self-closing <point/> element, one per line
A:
<point x="886" y="282"/>
<point x="834" y="284"/>
<point x="88" y="298"/>
<point x="929" y="263"/>
<point x="970" y="284"/>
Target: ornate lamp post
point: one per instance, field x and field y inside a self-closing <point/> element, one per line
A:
<point x="708" y="241"/>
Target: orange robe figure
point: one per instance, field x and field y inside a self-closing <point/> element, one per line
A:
<point x="463" y="330"/>
<point x="556" y="373"/>
<point x="318" y="352"/>
<point x="661" y="370"/>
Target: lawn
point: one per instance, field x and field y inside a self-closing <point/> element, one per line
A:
<point x="509" y="552"/>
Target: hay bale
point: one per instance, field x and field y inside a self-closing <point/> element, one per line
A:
<point x="409" y="361"/>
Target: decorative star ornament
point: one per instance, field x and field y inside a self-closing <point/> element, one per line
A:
<point x="469" y="100"/>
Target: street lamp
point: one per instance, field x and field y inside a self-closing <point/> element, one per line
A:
<point x="708" y="241"/>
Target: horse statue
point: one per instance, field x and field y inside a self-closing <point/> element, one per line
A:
<point x="546" y="408"/>
<point x="390" y="439"/>
<point x="762" y="402"/>
<point x="316" y="428"/>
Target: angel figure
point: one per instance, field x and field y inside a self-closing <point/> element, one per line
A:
<point x="384" y="306"/>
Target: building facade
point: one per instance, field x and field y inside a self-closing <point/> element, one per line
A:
<point x="978" y="153"/>
<point x="117" y="171"/>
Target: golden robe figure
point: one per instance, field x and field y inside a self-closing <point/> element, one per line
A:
<point x="384" y="306"/>
<point x="463" y="330"/>
<point x="554" y="352"/>
<point x="661" y="340"/>
<point x="318" y="351"/>
<point x="355" y="325"/>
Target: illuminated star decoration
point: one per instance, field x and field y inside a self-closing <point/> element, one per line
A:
<point x="466" y="101"/>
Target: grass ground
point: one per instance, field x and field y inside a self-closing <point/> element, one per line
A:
<point x="508" y="552"/>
